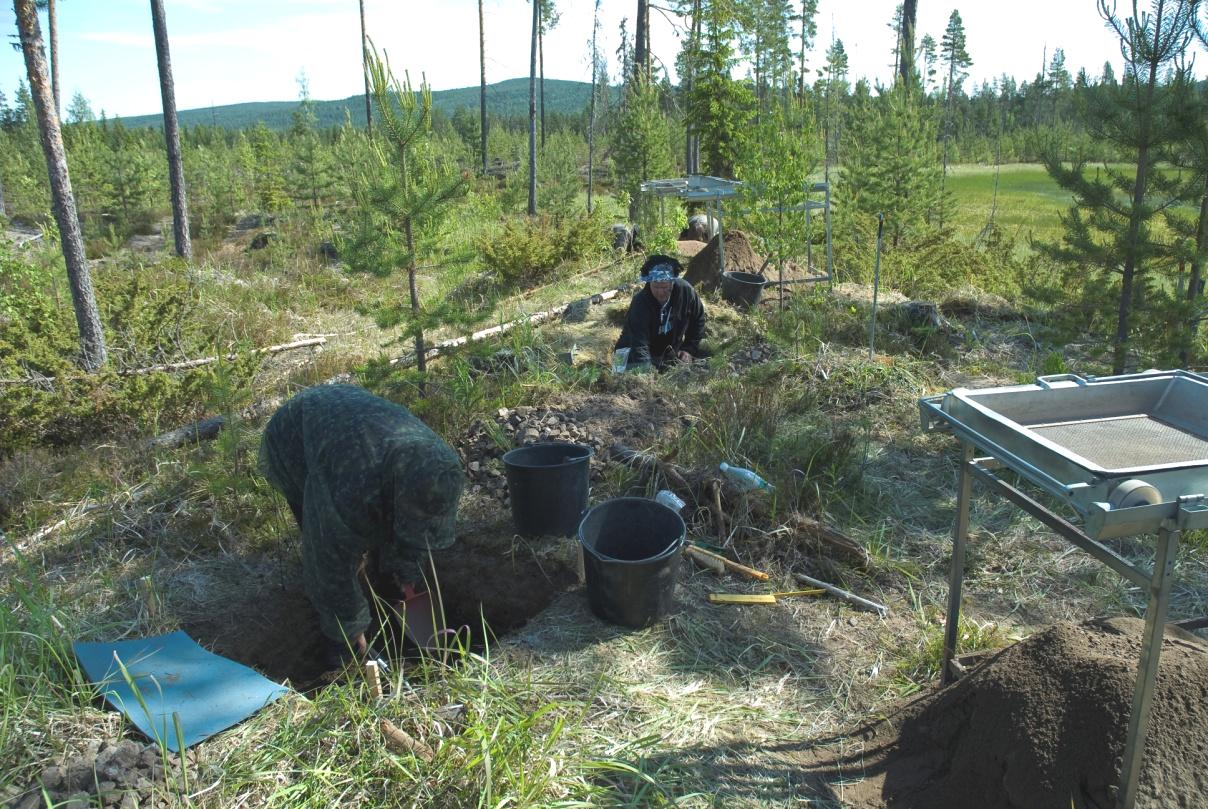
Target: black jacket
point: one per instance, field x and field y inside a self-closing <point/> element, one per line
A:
<point x="641" y="332"/>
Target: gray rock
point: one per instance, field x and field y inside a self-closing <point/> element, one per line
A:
<point x="328" y="251"/>
<point x="576" y="311"/>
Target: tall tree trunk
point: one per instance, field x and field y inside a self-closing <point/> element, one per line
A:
<point x="947" y="126"/>
<point x="532" y="184"/>
<point x="482" y="87"/>
<point x="176" y="171"/>
<point x="421" y="361"/>
<point x="365" y="72"/>
<point x="1135" y="214"/>
<point x="801" y="60"/>
<point x="541" y="68"/>
<point x="641" y="44"/>
<point x="691" y="151"/>
<point x="52" y="20"/>
<point x="591" y="115"/>
<point x="1194" y="283"/>
<point x="83" y="299"/>
<point x="910" y="10"/>
<point x="3" y="206"/>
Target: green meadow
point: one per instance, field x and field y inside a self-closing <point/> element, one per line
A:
<point x="1027" y="205"/>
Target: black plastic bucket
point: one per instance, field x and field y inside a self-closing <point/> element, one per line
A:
<point x="742" y="288"/>
<point x="631" y="554"/>
<point x="548" y="487"/>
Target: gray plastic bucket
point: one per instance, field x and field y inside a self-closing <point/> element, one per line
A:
<point x="742" y="288"/>
<point x="631" y="555"/>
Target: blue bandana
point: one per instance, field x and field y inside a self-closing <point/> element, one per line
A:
<point x="659" y="272"/>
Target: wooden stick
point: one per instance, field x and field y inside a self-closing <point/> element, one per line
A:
<point x="187" y="364"/>
<point x="704" y="560"/>
<point x="535" y="318"/>
<point x="880" y="609"/>
<point x="403" y="742"/>
<point x="732" y="565"/>
<point x="374" y="679"/>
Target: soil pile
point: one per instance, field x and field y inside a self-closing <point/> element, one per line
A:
<point x="125" y="774"/>
<point x="741" y="256"/>
<point x="704" y="271"/>
<point x="1041" y="724"/>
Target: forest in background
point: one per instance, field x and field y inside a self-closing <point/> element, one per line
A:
<point x="1125" y="258"/>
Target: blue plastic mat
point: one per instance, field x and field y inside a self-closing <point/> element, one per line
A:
<point x="178" y="683"/>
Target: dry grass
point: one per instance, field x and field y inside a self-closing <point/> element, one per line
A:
<point x="696" y="711"/>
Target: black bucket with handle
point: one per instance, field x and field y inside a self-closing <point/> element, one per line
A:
<point x="742" y="288"/>
<point x="631" y="555"/>
<point x="548" y="485"/>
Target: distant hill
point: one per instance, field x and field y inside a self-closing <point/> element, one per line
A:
<point x="505" y="98"/>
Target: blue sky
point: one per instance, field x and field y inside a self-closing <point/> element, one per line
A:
<point x="229" y="51"/>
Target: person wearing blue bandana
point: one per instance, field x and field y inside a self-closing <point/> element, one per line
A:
<point x="666" y="319"/>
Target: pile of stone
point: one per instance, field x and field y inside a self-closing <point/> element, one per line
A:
<point x="486" y="442"/>
<point x="754" y="355"/>
<point x="125" y="774"/>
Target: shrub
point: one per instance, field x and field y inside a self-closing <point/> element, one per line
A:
<point x="526" y="251"/>
<point x="148" y="319"/>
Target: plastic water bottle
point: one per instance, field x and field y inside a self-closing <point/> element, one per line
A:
<point x="668" y="499"/>
<point x="744" y="479"/>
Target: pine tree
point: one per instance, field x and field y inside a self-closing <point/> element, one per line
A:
<point x="482" y="88"/>
<point x="405" y="190"/>
<point x="927" y="48"/>
<point x="910" y="11"/>
<point x="890" y="164"/>
<point x="775" y="168"/>
<point x="88" y="320"/>
<point x="311" y="169"/>
<point x="532" y="157"/>
<point x="591" y="115"/>
<point x="954" y="55"/>
<point x="79" y="111"/>
<point x="1109" y="227"/>
<point x="719" y="107"/>
<point x="640" y="144"/>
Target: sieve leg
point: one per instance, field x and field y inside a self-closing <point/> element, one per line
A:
<point x="1147" y="670"/>
<point x="956" y="577"/>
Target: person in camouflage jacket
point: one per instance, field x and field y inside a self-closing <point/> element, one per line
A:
<point x="361" y="474"/>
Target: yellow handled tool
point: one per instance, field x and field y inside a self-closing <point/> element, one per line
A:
<point x="758" y="598"/>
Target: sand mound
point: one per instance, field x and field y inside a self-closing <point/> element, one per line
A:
<point x="704" y="271"/>
<point x="1041" y="724"/>
<point x="741" y="256"/>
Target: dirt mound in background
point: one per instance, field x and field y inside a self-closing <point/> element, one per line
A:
<point x="1041" y="724"/>
<point x="704" y="271"/>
